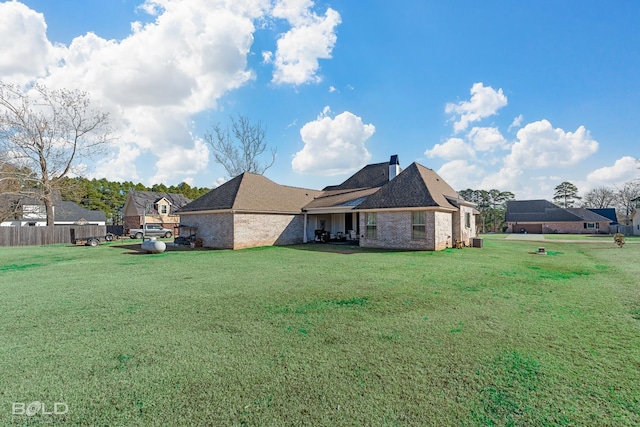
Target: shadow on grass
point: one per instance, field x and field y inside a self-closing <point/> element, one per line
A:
<point x="351" y="248"/>
<point x="136" y="248"/>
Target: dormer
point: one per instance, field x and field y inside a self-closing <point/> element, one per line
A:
<point x="162" y="206"/>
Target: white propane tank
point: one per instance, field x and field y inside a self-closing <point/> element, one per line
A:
<point x="153" y="246"/>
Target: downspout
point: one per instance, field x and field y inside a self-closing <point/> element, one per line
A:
<point x="304" y="237"/>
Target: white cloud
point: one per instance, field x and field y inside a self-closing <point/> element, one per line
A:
<point x="26" y="51"/>
<point x="624" y="169"/>
<point x="516" y="123"/>
<point x="460" y="174"/>
<point x="539" y="145"/>
<point x="219" y="182"/>
<point x="484" y="102"/>
<point x="333" y="146"/>
<point x="452" y="149"/>
<point x="506" y="179"/>
<point x="118" y="166"/>
<point x="486" y="138"/>
<point x="165" y="71"/>
<point x="299" y="49"/>
<point x="178" y="161"/>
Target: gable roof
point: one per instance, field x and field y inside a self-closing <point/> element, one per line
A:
<point x="416" y="186"/>
<point x="141" y="199"/>
<point x="609" y="213"/>
<point x="545" y="211"/>
<point x="69" y="211"/>
<point x="588" y="215"/>
<point x="370" y="176"/>
<point x="253" y="192"/>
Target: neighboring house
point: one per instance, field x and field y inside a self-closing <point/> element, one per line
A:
<point x="379" y="206"/>
<point x="153" y="208"/>
<point x="635" y="216"/>
<point x="542" y="216"/>
<point x="31" y="212"/>
<point x="609" y="213"/>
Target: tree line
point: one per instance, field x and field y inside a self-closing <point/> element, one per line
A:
<point x="110" y="196"/>
<point x="491" y="205"/>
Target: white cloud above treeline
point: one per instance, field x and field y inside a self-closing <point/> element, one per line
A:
<point x="540" y="145"/>
<point x="473" y="157"/>
<point x="333" y="146"/>
<point x="624" y="169"/>
<point x="158" y="77"/>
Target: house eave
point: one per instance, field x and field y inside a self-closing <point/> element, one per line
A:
<point x="328" y="210"/>
<point x="240" y="211"/>
<point x="419" y="208"/>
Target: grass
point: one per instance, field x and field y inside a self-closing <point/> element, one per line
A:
<point x="322" y="335"/>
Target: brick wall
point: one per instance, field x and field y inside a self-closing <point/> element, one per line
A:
<point x="394" y="231"/>
<point x="460" y="230"/>
<point x="443" y="226"/>
<point x="132" y="222"/>
<point x="253" y="230"/>
<point x="565" y="227"/>
<point x="215" y="230"/>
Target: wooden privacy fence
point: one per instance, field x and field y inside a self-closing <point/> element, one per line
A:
<point x="38" y="236"/>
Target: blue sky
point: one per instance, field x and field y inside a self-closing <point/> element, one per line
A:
<point x="518" y="96"/>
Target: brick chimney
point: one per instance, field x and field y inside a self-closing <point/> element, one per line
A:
<point x="394" y="167"/>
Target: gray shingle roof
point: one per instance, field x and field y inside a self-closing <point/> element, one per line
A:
<point x="374" y="175"/>
<point x="537" y="211"/>
<point x="609" y="213"/>
<point x="416" y="186"/>
<point x="141" y="199"/>
<point x="69" y="211"/>
<point x="545" y="211"/>
<point x="252" y="192"/>
<point x="336" y="198"/>
<point x="588" y="215"/>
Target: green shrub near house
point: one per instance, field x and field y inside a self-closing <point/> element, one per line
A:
<point x="322" y="335"/>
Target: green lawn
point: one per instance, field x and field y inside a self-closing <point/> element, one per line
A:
<point x="322" y="335"/>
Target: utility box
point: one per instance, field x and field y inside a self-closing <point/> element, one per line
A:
<point x="476" y="242"/>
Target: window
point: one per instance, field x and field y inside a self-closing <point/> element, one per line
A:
<point x="371" y="223"/>
<point x="591" y="225"/>
<point x="418" y="221"/>
<point x="163" y="209"/>
<point x="467" y="219"/>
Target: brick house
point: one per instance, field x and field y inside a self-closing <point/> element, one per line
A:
<point x="247" y="211"/>
<point x="154" y="208"/>
<point x="379" y="206"/>
<point x="542" y="216"/>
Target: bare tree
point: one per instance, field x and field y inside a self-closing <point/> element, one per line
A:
<point x="626" y="197"/>
<point x="49" y="132"/>
<point x="12" y="188"/>
<point x="599" y="198"/>
<point x="239" y="149"/>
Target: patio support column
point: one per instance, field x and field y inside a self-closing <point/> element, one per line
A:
<point x="304" y="237"/>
